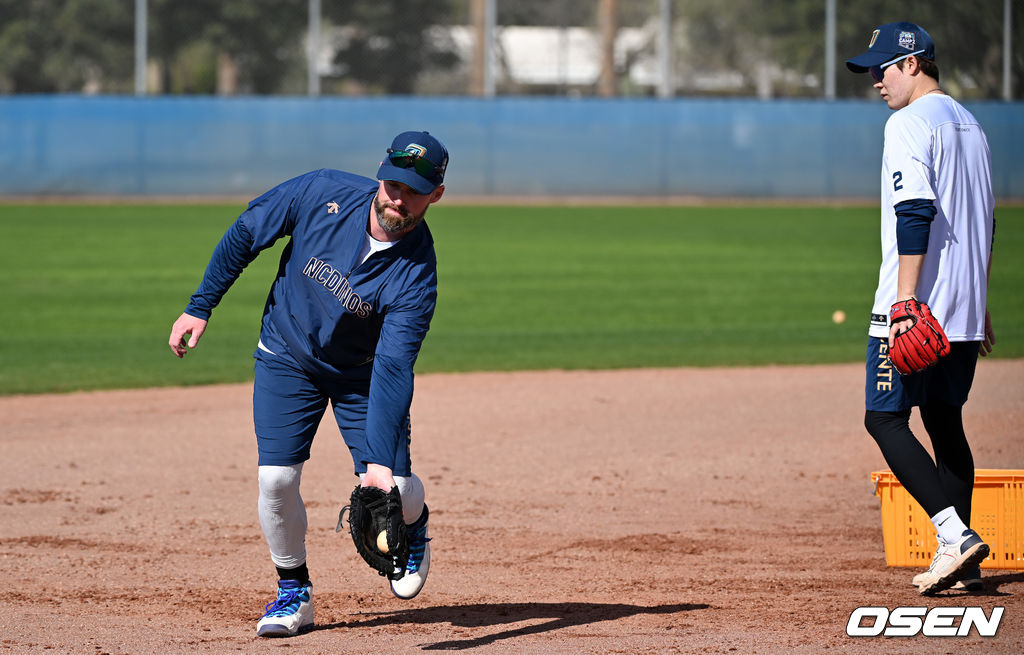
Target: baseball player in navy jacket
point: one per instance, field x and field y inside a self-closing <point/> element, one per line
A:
<point x="343" y="324"/>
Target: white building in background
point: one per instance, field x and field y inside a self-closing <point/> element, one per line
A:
<point x="537" y="56"/>
<point x="570" y="57"/>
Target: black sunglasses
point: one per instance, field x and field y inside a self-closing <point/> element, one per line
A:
<point x="878" y="72"/>
<point x="406" y="159"/>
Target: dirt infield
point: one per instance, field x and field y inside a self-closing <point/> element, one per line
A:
<point x="647" y="511"/>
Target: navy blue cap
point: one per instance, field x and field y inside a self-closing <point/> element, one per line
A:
<point x="421" y="145"/>
<point x="890" y="43"/>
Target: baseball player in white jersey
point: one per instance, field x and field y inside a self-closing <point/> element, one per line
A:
<point x="937" y="228"/>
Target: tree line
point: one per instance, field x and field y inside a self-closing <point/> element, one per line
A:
<point x="401" y="47"/>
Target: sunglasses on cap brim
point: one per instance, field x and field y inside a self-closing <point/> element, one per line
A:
<point x="878" y="72"/>
<point x="406" y="159"/>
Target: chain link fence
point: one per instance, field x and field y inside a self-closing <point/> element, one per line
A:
<point x="568" y="48"/>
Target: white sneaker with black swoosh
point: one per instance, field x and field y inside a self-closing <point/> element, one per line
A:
<point x="951" y="563"/>
<point x="969" y="581"/>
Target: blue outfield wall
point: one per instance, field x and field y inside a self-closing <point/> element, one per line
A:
<point x="56" y="145"/>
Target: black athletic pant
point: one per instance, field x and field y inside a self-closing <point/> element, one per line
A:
<point x="949" y="480"/>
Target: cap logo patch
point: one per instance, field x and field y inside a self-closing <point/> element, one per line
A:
<point x="874" y="35"/>
<point x="416" y="149"/>
<point x="907" y="40"/>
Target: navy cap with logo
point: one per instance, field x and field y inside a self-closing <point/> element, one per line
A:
<point x="890" y="43"/>
<point x="417" y="160"/>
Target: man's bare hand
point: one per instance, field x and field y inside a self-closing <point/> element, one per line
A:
<point x="185" y="334"/>
<point x="378" y="476"/>
<point x="990" y="337"/>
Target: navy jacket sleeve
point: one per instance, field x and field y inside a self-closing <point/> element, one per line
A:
<point x="391" y="385"/>
<point x="266" y="220"/>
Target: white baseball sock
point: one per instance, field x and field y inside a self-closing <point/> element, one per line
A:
<point x="413" y="496"/>
<point x="949" y="526"/>
<point x="283" y="514"/>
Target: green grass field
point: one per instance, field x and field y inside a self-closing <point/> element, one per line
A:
<point x="89" y="292"/>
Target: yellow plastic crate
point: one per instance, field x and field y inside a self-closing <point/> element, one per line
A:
<point x="997" y="515"/>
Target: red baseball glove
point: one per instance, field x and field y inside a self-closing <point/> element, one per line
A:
<point x="920" y="346"/>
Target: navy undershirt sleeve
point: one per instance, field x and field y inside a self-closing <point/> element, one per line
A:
<point x="913" y="222"/>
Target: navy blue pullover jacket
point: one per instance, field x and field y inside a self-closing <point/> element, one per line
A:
<point x="334" y="316"/>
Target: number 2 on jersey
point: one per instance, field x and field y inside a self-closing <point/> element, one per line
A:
<point x="897" y="177"/>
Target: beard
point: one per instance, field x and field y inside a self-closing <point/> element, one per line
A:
<point x="390" y="223"/>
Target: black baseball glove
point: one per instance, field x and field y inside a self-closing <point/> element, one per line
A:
<point x="372" y="511"/>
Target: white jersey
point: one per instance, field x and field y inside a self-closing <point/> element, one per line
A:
<point x="936" y="150"/>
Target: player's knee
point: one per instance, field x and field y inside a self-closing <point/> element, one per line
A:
<point x="882" y="424"/>
<point x="279" y="482"/>
<point x="942" y="418"/>
<point x="870" y="422"/>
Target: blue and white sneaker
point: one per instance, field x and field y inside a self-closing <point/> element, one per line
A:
<point x="952" y="562"/>
<point x="291" y="613"/>
<point x="416" y="570"/>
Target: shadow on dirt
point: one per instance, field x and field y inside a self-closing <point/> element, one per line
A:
<point x="558" y="615"/>
<point x="992" y="583"/>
